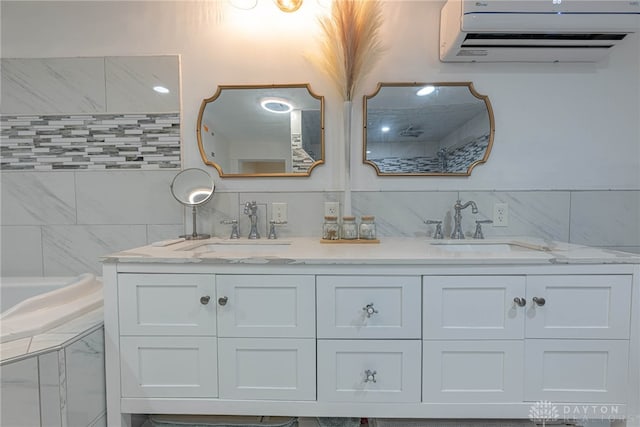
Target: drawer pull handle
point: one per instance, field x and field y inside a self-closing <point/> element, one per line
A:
<point x="223" y="300"/>
<point x="520" y="301"/>
<point x="370" y="376"/>
<point x="205" y="300"/>
<point x="539" y="301"/>
<point x="370" y="310"/>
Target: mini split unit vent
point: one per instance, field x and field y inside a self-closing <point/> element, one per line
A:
<point x="534" y="30"/>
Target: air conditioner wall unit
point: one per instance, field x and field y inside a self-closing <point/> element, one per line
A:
<point x="534" y="30"/>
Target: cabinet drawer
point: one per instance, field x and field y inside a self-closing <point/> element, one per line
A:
<point x="166" y="304"/>
<point x="472" y="371"/>
<point x="266" y="306"/>
<point x="369" y="371"/>
<point x="575" y="306"/>
<point x="168" y="367"/>
<point x="473" y="307"/>
<point x="368" y="307"/>
<point x="576" y="370"/>
<point x="273" y="368"/>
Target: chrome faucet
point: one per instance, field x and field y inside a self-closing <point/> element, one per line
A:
<point x="457" y="227"/>
<point x="251" y="209"/>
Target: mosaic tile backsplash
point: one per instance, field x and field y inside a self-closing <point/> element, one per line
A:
<point x="96" y="141"/>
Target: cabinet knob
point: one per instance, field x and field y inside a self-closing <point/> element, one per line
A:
<point x="370" y="376"/>
<point x="223" y="300"/>
<point x="520" y="301"/>
<point x="539" y="301"/>
<point x="369" y="309"/>
<point x="205" y="300"/>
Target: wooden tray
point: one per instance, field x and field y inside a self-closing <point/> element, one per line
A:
<point x="354" y="241"/>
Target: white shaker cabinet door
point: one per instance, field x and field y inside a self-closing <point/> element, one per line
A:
<point x="576" y="370"/>
<point x="271" y="368"/>
<point x="488" y="371"/>
<point x="167" y="304"/>
<point x="266" y="306"/>
<point x="369" y="307"/>
<point x="473" y="307"/>
<point x="369" y="371"/>
<point x="578" y="306"/>
<point x="168" y="367"/>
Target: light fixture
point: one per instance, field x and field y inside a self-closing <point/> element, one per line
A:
<point x="288" y="5"/>
<point x="426" y="90"/>
<point x="161" y="89"/>
<point x="243" y="4"/>
<point x="276" y="105"/>
<point x="385" y="128"/>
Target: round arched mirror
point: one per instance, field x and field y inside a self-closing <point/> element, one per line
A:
<point x="193" y="187"/>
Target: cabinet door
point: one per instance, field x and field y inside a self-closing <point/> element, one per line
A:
<point x="576" y="370"/>
<point x="472" y="371"/>
<point x="167" y="304"/>
<point x="168" y="367"/>
<point x="369" y="371"/>
<point x="575" y="306"/>
<point x="273" y="368"/>
<point x="473" y="307"/>
<point x="368" y="307"/>
<point x="266" y="306"/>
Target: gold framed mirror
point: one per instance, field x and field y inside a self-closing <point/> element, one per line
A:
<point x="262" y="130"/>
<point x="427" y="129"/>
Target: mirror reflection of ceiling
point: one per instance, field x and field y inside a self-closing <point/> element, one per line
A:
<point x="447" y="131"/>
<point x="240" y="136"/>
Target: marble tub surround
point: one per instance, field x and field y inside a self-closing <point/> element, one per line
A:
<point x="392" y="250"/>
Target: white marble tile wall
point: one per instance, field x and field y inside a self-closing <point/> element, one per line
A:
<point x="60" y="223"/>
<point x="20" y="403"/>
<point x="52" y="387"/>
<point x="86" y="398"/>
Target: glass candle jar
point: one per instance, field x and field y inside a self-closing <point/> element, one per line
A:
<point x="349" y="228"/>
<point x="330" y="228"/>
<point x="368" y="228"/>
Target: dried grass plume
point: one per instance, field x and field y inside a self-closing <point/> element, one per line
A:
<point x="350" y="44"/>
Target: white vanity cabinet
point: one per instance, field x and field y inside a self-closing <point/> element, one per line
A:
<point x="369" y="338"/>
<point x="168" y="341"/>
<point x="535" y="337"/>
<point x="266" y="330"/>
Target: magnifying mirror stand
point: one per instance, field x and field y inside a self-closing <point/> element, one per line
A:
<point x="195" y="235"/>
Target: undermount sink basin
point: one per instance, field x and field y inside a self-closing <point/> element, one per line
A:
<point x="244" y="246"/>
<point x="482" y="247"/>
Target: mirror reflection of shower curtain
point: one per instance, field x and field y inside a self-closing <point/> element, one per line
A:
<point x="443" y="159"/>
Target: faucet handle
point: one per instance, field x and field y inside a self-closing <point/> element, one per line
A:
<point x="478" y="234"/>
<point x="235" y="234"/>
<point x="438" y="233"/>
<point x="272" y="228"/>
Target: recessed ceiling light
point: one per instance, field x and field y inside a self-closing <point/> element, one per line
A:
<point x="276" y="105"/>
<point x="426" y="90"/>
<point x="385" y="128"/>
<point x="161" y="89"/>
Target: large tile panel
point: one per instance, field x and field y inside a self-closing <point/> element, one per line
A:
<point x="52" y="85"/>
<point x="605" y="218"/>
<point x="52" y="389"/>
<point x="127" y="197"/>
<point x="21" y="251"/>
<point x="72" y="250"/>
<point x="20" y="403"/>
<point x="38" y="198"/>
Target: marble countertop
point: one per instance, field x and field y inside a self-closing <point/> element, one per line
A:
<point x="390" y="251"/>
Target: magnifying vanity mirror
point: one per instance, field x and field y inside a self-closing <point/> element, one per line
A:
<point x="193" y="187"/>
<point x="422" y="129"/>
<point x="269" y="130"/>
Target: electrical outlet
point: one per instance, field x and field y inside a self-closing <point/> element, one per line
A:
<point x="279" y="212"/>
<point x="332" y="209"/>
<point x="500" y="215"/>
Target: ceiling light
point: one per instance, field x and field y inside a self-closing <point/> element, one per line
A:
<point x="288" y="5"/>
<point x="385" y="128"/>
<point x="161" y="89"/>
<point x="276" y="105"/>
<point x="244" y="4"/>
<point x="426" y="90"/>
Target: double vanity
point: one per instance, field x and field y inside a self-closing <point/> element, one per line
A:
<point x="408" y="328"/>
